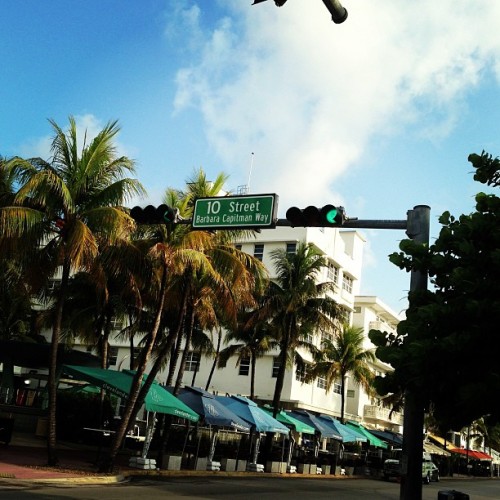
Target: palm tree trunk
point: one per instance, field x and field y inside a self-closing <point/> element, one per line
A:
<point x="280" y="379"/>
<point x="175" y="356"/>
<point x="135" y="389"/>
<point x="253" y="364"/>
<point x="167" y="421"/>
<point x="216" y="358"/>
<point x="52" y="379"/>
<point x="131" y="351"/>
<point x="196" y="369"/>
<point x="342" y="400"/>
<point x="187" y="347"/>
<point x="104" y="339"/>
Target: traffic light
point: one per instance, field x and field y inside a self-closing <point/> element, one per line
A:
<point x="163" y="214"/>
<point x="327" y="216"/>
<point x="338" y="12"/>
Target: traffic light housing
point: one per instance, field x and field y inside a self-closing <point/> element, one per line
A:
<point x="338" y="12"/>
<point x="162" y="214"/>
<point x="311" y="216"/>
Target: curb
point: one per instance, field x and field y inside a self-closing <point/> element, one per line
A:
<point x="73" y="480"/>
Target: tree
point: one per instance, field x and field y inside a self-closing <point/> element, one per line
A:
<point x="68" y="207"/>
<point x="192" y="265"/>
<point x="249" y="340"/>
<point x="109" y="290"/>
<point x="446" y="350"/>
<point x="344" y="355"/>
<point x="297" y="305"/>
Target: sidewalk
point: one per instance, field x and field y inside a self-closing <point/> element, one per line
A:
<point x="25" y="458"/>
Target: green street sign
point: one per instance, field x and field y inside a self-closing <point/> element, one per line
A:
<point x="235" y="212"/>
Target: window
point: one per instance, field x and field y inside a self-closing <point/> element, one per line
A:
<point x="347" y="282"/>
<point x="116" y="323"/>
<point x="337" y="388"/>
<point x="326" y="336"/>
<point x="112" y="355"/>
<point x="309" y="338"/>
<point x="332" y="273"/>
<point x="300" y="374"/>
<point x="321" y="382"/>
<point x="53" y="285"/>
<point x="258" y="251"/>
<point x="350" y="393"/>
<point x="276" y="367"/>
<point x="291" y="248"/>
<point x="244" y="366"/>
<point x="192" y="361"/>
<point x="344" y="315"/>
<point x="238" y="246"/>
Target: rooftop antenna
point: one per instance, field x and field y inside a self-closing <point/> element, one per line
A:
<point x="245" y="188"/>
<point x="250" y="173"/>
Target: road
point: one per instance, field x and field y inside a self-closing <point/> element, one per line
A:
<point x="252" y="488"/>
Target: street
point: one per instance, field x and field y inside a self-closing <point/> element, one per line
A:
<point x="261" y="488"/>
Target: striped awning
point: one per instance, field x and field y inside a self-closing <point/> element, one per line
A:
<point x="441" y="441"/>
<point x="472" y="454"/>
<point x="433" y="449"/>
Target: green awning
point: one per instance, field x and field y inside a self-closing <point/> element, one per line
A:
<point x="373" y="440"/>
<point x="158" y="398"/>
<point x="290" y="421"/>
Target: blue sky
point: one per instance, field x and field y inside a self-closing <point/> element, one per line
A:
<point x="377" y="114"/>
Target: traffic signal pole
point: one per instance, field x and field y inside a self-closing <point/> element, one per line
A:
<point x="417" y="227"/>
<point x="258" y="212"/>
<point x="413" y="424"/>
<point x="361" y="224"/>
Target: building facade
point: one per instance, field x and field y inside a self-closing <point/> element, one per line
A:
<point x="343" y="250"/>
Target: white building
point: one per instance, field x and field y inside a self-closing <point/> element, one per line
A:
<point x="370" y="313"/>
<point x="344" y="251"/>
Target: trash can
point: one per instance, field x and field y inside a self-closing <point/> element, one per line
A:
<point x="6" y="427"/>
<point x="452" y="495"/>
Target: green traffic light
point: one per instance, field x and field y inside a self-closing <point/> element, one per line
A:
<point x="330" y="215"/>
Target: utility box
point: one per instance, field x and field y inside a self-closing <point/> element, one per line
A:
<point x="452" y="495"/>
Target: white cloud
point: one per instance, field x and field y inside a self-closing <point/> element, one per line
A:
<point x="87" y="128"/>
<point x="36" y="148"/>
<point x="308" y="96"/>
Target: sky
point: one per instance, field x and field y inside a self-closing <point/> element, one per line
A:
<point x="377" y="114"/>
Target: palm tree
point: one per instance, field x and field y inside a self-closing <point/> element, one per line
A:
<point x="69" y="206"/>
<point x="485" y="434"/>
<point x="207" y="302"/>
<point x="344" y="355"/>
<point x="297" y="304"/>
<point x="250" y="340"/>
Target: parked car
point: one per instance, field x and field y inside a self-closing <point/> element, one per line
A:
<point x="392" y="467"/>
<point x="430" y="472"/>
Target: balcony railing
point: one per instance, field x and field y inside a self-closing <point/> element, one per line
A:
<point x="381" y="413"/>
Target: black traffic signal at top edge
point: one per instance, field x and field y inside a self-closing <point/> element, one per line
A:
<point x="327" y="216"/>
<point x="163" y="214"/>
<point x="338" y="12"/>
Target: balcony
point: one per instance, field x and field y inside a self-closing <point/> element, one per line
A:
<point x="372" y="412"/>
<point x="376" y="325"/>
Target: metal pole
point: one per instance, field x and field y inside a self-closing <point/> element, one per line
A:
<point x="418" y="229"/>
